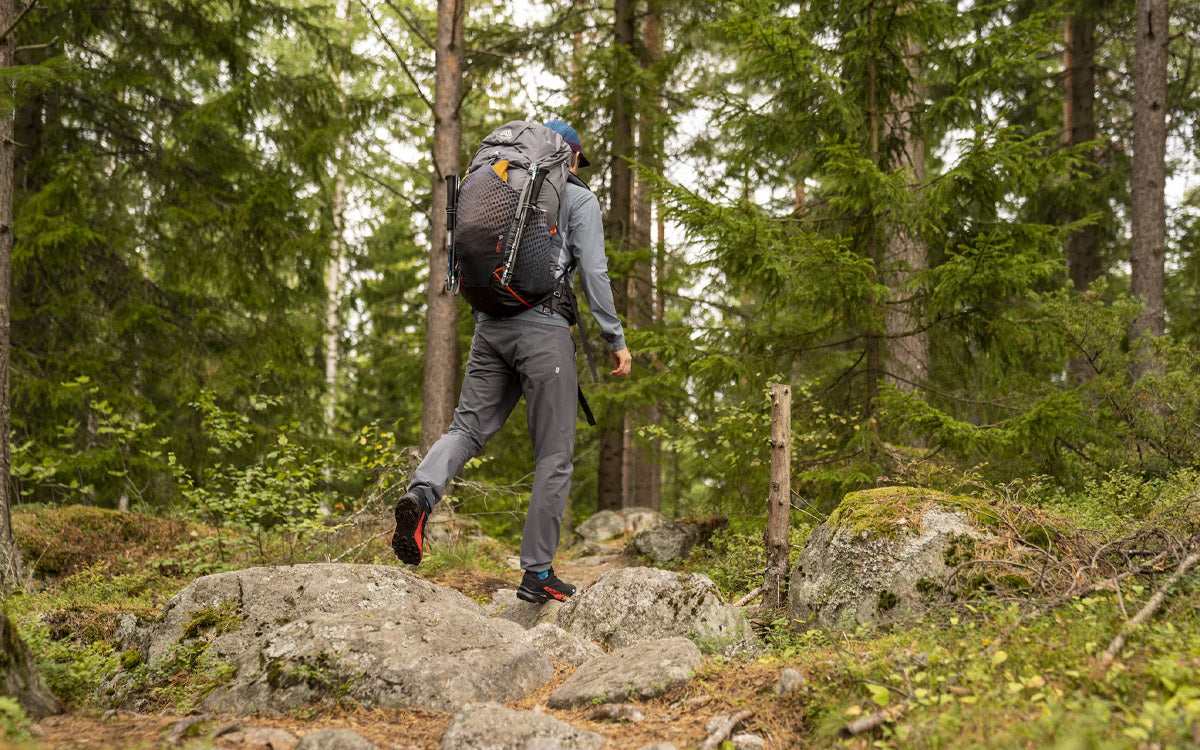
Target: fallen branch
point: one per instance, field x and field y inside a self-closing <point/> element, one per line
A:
<point x="748" y="597"/>
<point x="873" y="721"/>
<point x="1147" y="611"/>
<point x="721" y="727"/>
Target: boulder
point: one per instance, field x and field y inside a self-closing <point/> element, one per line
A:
<point x="507" y="605"/>
<point x="667" y="542"/>
<point x="374" y="633"/>
<point x="881" y="555"/>
<point x="562" y="647"/>
<point x="490" y="726"/>
<point x="643" y="671"/>
<point x="603" y="525"/>
<point x="638" y="520"/>
<point x="445" y="527"/>
<point x="335" y="739"/>
<point x="632" y="605"/>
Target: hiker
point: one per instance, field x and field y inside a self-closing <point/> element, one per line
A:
<point x="532" y="354"/>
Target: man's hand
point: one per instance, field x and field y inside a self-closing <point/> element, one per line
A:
<point x="624" y="363"/>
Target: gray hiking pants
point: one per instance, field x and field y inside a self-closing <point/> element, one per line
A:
<point x="510" y="358"/>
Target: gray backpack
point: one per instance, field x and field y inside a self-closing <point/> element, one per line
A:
<point x="503" y="216"/>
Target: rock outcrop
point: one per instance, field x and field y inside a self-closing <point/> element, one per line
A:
<point x="882" y="555"/>
<point x="667" y="542"/>
<point x="377" y="634"/>
<point x="633" y="605"/>
<point x="490" y="726"/>
<point x="603" y="525"/>
<point x="646" y="670"/>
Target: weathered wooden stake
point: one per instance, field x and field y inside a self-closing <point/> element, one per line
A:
<point x="779" y="501"/>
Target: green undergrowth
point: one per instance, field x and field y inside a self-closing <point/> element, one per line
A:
<point x="482" y="555"/>
<point x="988" y="679"/>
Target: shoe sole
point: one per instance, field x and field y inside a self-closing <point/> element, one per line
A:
<point x="404" y="538"/>
<point x="538" y="596"/>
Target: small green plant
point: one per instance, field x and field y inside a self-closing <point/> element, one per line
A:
<point x="14" y="725"/>
<point x="73" y="671"/>
<point x="476" y="555"/>
<point x="180" y="680"/>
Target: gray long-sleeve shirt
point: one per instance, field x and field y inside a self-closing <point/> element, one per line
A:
<point x="582" y="231"/>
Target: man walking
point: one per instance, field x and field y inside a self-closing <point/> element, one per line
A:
<point x="530" y="354"/>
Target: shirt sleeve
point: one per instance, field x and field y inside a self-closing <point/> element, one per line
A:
<point x="585" y="236"/>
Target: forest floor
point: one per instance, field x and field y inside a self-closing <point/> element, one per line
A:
<point x="984" y="675"/>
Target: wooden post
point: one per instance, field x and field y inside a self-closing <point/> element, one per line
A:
<point x="779" y="501"/>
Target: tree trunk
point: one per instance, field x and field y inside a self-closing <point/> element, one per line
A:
<point x="610" y="485"/>
<point x="1079" y="126"/>
<point x="10" y="560"/>
<point x="646" y="455"/>
<point x="779" y="501"/>
<point x="1149" y="223"/>
<point x="19" y="677"/>
<point x="441" y="317"/>
<point x="874" y="343"/>
<point x="907" y="255"/>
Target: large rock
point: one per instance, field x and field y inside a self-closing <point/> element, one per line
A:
<point x="631" y="605"/>
<point x="506" y="604"/>
<point x="667" y="542"/>
<point x="603" y="525"/>
<point x="335" y="739"/>
<point x="638" y="520"/>
<point x="643" y="671"/>
<point x="445" y="527"/>
<point x="490" y="726"/>
<point x="881" y="555"/>
<point x="374" y="633"/>
<point x="561" y="646"/>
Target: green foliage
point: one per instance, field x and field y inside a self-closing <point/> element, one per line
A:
<point x="476" y="555"/>
<point x="73" y="670"/>
<point x="282" y="489"/>
<point x="180" y="680"/>
<point x="14" y="724"/>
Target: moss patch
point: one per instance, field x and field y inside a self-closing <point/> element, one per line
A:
<point x="225" y="618"/>
<point x="893" y="512"/>
<point x="58" y="541"/>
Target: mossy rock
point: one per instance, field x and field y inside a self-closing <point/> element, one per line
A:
<point x="892" y="512"/>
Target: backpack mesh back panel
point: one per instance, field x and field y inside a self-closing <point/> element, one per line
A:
<point x="486" y="205"/>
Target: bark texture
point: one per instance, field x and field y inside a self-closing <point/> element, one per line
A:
<point x="906" y="254"/>
<point x="1149" y="222"/>
<point x="645" y="456"/>
<point x="441" y="322"/>
<point x="1079" y="126"/>
<point x="19" y="677"/>
<point x="779" y="501"/>
<point x="610" y="484"/>
<point x="10" y="562"/>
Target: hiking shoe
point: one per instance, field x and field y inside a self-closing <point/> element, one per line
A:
<point x="538" y="590"/>
<point x="409" y="537"/>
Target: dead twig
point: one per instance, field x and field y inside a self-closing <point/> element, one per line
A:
<point x="873" y="721"/>
<point x="721" y="727"/>
<point x="1151" y="606"/>
<point x="748" y="597"/>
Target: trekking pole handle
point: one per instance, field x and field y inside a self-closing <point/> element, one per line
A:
<point x="451" y="222"/>
<point x="528" y="196"/>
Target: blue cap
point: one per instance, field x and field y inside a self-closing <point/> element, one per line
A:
<point x="569" y="135"/>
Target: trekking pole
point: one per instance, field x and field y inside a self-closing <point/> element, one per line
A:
<point x="451" y="221"/>
<point x="529" y="195"/>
